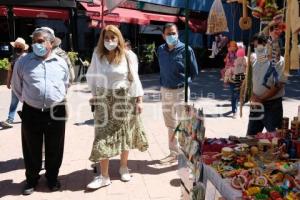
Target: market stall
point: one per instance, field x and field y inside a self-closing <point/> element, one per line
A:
<point x="262" y="167"/>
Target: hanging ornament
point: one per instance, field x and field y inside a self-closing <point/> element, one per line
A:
<point x="264" y="9"/>
<point x="245" y="21"/>
<point x="217" y="22"/>
<point x="257" y="11"/>
<point x="270" y="9"/>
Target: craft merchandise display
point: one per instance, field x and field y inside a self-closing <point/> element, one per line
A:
<point x="190" y="132"/>
<point x="218" y="45"/>
<point x="264" y="167"/>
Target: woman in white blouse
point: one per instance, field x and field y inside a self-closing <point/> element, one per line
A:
<point x="117" y="95"/>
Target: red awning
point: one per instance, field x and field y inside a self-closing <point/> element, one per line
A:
<point x="34" y="12"/>
<point x="131" y="16"/>
<point x="92" y="10"/>
<point x="3" y="11"/>
<point x="161" y="17"/>
<point x="124" y="15"/>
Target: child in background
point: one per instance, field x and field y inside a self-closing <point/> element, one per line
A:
<point x="236" y="78"/>
<point x="229" y="61"/>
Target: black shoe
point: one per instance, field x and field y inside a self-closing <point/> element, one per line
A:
<point x="54" y="186"/>
<point x="28" y="189"/>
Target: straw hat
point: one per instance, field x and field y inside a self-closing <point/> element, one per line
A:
<point x="20" y="41"/>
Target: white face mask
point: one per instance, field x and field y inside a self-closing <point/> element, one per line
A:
<point x="110" y="45"/>
<point x="261" y="53"/>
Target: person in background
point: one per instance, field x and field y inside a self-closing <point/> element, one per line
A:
<point x="229" y="61"/>
<point x="117" y="93"/>
<point x="40" y="80"/>
<point x="266" y="103"/>
<point x="171" y="58"/>
<point x="61" y="53"/>
<point x="237" y="75"/>
<point x="133" y="55"/>
<point x="19" y="49"/>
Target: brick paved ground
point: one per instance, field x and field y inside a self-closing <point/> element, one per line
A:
<point x="150" y="179"/>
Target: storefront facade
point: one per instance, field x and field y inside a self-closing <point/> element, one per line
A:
<point x="18" y="18"/>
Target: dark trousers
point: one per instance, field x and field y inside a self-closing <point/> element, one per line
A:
<point x="268" y="116"/>
<point x="235" y="95"/>
<point x="36" y="125"/>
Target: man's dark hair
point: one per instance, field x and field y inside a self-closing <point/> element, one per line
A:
<point x="262" y="38"/>
<point x="168" y="25"/>
<point x="128" y="43"/>
<point x="255" y="36"/>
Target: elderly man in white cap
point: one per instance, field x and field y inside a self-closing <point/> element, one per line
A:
<point x="40" y="81"/>
<point x="19" y="49"/>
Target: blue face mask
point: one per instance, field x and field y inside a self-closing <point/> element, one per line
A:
<point x="39" y="49"/>
<point x="172" y="39"/>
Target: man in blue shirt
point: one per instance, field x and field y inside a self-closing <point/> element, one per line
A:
<point x="171" y="58"/>
<point x="40" y="81"/>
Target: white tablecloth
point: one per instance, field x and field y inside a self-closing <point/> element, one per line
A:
<point x="222" y="185"/>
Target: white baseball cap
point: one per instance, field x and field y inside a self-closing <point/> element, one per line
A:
<point x="44" y="28"/>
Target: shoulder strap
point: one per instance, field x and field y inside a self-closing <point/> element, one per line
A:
<point x="130" y="76"/>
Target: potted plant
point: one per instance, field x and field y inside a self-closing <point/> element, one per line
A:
<point x="73" y="57"/>
<point x="4" y="66"/>
<point x="147" y="58"/>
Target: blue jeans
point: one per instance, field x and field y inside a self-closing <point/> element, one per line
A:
<point x="13" y="107"/>
<point x="235" y="95"/>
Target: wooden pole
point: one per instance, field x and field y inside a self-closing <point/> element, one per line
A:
<point x="187" y="54"/>
<point x="102" y="12"/>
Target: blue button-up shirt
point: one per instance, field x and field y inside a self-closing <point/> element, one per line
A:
<point x="172" y="64"/>
<point x="40" y="83"/>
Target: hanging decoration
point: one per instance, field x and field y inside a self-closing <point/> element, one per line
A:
<point x="245" y="21"/>
<point x="217" y="22"/>
<point x="264" y="9"/>
<point x="292" y="20"/>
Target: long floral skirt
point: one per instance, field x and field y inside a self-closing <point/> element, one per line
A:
<point x="117" y="127"/>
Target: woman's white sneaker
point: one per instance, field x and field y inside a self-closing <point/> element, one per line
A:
<point x="98" y="182"/>
<point x="124" y="172"/>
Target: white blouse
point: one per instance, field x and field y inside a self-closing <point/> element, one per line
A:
<point x="114" y="76"/>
